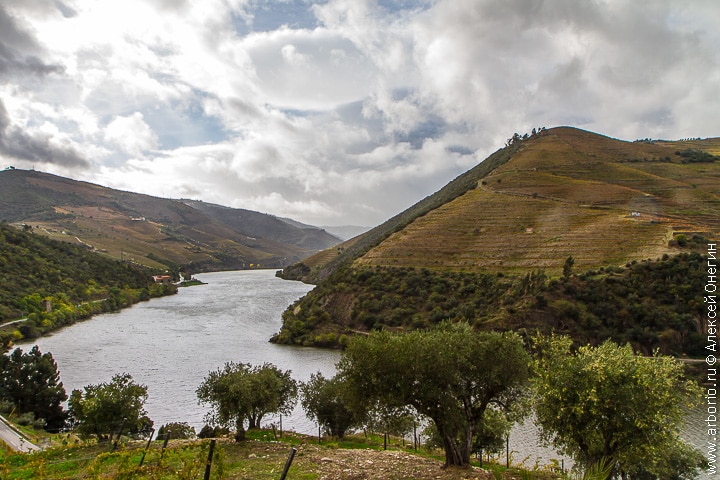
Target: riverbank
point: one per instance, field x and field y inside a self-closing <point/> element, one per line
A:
<point x="59" y="312"/>
<point x="191" y="283"/>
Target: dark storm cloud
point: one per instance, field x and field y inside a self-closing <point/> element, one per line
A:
<point x="19" y="51"/>
<point x="20" y="145"/>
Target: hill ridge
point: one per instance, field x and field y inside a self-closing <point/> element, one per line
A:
<point x="583" y="173"/>
<point x="565" y="195"/>
<point x="158" y="232"/>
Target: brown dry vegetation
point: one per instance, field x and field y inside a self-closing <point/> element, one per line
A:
<point x="153" y="231"/>
<point x="245" y="460"/>
<point x="566" y="193"/>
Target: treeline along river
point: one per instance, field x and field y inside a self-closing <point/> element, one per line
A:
<point x="171" y="343"/>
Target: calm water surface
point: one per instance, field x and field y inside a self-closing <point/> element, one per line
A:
<point x="170" y="344"/>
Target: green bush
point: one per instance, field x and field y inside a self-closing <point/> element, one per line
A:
<point x="24" y="419"/>
<point x="177" y="430"/>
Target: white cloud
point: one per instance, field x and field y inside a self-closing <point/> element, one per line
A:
<point x="348" y="119"/>
<point x="131" y="134"/>
<point x="291" y="55"/>
<point x="275" y="202"/>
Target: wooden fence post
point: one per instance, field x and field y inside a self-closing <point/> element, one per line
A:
<point x="162" y="452"/>
<point x="152" y="432"/>
<point x="288" y="463"/>
<point x="208" y="464"/>
<point x="122" y="426"/>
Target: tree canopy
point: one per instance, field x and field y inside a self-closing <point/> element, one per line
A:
<point x="651" y="304"/>
<point x="30" y="382"/>
<point x="608" y="404"/>
<point x="451" y="375"/>
<point x="104" y="408"/>
<point x="240" y="392"/>
<point x="324" y="401"/>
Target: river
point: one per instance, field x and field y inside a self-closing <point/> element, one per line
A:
<point x="170" y="344"/>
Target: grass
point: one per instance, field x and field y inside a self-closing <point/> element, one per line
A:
<point x="261" y="456"/>
<point x="181" y="460"/>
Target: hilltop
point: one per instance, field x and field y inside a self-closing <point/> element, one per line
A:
<point x="490" y="243"/>
<point x="152" y="231"/>
<point x="535" y="202"/>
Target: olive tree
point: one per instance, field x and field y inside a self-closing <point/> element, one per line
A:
<point x="324" y="400"/>
<point x="607" y="404"/>
<point x="240" y="392"/>
<point x="103" y="408"/>
<point x="450" y="375"/>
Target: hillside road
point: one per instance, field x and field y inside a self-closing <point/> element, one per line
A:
<point x="16" y="441"/>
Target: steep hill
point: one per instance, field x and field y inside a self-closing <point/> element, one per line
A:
<point x="557" y="194"/>
<point x="568" y="193"/>
<point x="319" y="266"/>
<point x="268" y="227"/>
<point x="153" y="231"/>
<point x="534" y="203"/>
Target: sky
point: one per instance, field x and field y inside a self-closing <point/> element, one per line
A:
<point x="336" y="112"/>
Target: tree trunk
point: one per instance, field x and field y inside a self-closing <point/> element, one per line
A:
<point x="240" y="433"/>
<point x="254" y="420"/>
<point x="466" y="445"/>
<point x="453" y="453"/>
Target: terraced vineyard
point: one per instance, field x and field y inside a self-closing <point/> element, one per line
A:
<point x="489" y="247"/>
<point x="156" y="232"/>
<point x="568" y="193"/>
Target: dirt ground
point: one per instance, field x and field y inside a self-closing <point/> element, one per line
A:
<point x="341" y="464"/>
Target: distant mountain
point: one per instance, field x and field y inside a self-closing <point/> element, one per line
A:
<point x="263" y="225"/>
<point x="343" y="232"/>
<point x="346" y="232"/>
<point x="557" y="201"/>
<point x="153" y="231"/>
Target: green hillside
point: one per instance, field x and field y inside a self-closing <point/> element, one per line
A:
<point x="520" y="214"/>
<point x="651" y="304"/>
<point x="54" y="283"/>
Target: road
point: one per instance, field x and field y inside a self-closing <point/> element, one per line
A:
<point x="14" y="321"/>
<point x="16" y="441"/>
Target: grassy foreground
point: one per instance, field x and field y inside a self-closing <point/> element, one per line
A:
<point x="260" y="457"/>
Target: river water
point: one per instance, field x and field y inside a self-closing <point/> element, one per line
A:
<point x="170" y="344"/>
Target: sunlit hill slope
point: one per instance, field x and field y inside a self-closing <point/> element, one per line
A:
<point x="561" y="193"/>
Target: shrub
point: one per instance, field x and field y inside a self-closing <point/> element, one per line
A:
<point x="210" y="432"/>
<point x="25" y="419"/>
<point x="177" y="430"/>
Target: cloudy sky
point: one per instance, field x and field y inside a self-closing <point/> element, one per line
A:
<point x="339" y="111"/>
